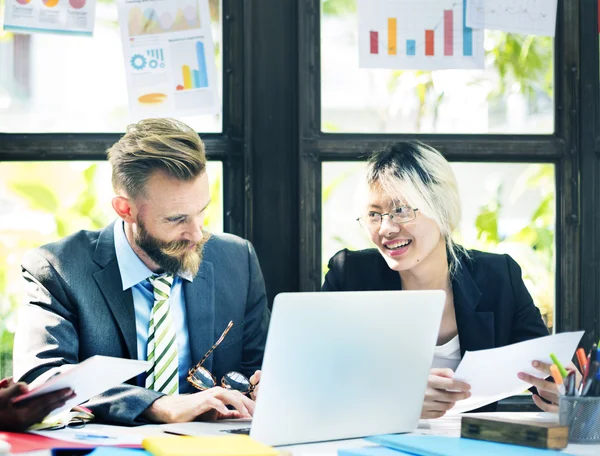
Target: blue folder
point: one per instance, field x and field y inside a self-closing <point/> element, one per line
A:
<point x="371" y="451"/>
<point x="433" y="445"/>
<point x="116" y="451"/>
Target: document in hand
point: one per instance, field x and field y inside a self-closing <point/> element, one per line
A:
<point x="89" y="378"/>
<point x="492" y="373"/>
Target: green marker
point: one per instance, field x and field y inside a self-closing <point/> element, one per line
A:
<point x="561" y="369"/>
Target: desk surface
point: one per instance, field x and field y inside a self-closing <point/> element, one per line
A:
<point x="447" y="426"/>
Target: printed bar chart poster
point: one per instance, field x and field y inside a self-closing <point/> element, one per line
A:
<point x="62" y="17"/>
<point x="417" y="35"/>
<point x="169" y="58"/>
<point x="527" y="17"/>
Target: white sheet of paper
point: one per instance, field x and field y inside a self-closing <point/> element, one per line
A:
<point x="492" y="373"/>
<point x="4" y="447"/>
<point x="97" y="435"/>
<point x="203" y="428"/>
<point x="73" y="17"/>
<point x="89" y="378"/>
<point x="527" y="17"/>
<point x="417" y="35"/>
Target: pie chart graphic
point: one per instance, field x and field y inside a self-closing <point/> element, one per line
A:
<point x="77" y="4"/>
<point x="23" y="2"/>
<point x="51" y="3"/>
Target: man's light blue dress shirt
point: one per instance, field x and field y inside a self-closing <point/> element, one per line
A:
<point x="133" y="275"/>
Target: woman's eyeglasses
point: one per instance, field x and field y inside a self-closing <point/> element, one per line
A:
<point x="372" y="220"/>
<point x="202" y="379"/>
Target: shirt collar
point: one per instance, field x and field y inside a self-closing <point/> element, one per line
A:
<point x="132" y="268"/>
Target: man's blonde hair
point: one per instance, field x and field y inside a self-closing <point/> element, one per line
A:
<point x="152" y="145"/>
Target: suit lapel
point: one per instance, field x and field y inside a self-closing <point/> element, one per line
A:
<point x="200" y="309"/>
<point x="476" y="329"/>
<point x="109" y="280"/>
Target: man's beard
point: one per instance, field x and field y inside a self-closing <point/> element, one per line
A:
<point x="173" y="257"/>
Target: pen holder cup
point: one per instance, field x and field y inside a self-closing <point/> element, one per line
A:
<point x="582" y="415"/>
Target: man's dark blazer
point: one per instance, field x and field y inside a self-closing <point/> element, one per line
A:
<point x="493" y="307"/>
<point x="76" y="308"/>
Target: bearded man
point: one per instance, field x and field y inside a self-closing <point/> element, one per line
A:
<point x="154" y="286"/>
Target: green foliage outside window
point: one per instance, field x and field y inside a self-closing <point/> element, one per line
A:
<point x="533" y="245"/>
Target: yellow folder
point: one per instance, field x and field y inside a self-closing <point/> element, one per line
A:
<point x="227" y="445"/>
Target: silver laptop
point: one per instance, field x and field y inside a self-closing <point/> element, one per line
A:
<point x="342" y="365"/>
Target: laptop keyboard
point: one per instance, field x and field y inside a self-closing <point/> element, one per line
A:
<point x="245" y="431"/>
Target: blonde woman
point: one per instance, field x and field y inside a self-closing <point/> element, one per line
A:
<point x="411" y="208"/>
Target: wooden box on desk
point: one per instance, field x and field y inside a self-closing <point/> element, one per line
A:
<point x="517" y="432"/>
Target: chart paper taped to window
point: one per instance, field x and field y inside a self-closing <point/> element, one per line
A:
<point x="417" y="35"/>
<point x="526" y="17"/>
<point x="169" y="58"/>
<point x="61" y="17"/>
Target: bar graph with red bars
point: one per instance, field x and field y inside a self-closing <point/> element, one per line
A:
<point x="429" y="42"/>
<point x="430" y="37"/>
<point x="448" y="32"/>
<point x="374" y="42"/>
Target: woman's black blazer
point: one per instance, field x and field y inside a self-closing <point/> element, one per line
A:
<point x="493" y="307"/>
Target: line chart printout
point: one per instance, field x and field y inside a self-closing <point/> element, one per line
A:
<point x="526" y="17"/>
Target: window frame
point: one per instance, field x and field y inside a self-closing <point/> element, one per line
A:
<point x="258" y="142"/>
<point x="226" y="146"/>
<point x="568" y="148"/>
<point x="272" y="148"/>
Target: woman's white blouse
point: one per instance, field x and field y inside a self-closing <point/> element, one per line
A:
<point x="447" y="355"/>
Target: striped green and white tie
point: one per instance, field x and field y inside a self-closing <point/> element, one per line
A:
<point x="163" y="376"/>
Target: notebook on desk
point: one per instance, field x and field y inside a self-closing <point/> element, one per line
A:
<point x="342" y="365"/>
<point x="224" y="445"/>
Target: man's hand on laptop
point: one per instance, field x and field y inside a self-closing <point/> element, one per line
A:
<point x="255" y="380"/>
<point x="204" y="405"/>
<point x="442" y="393"/>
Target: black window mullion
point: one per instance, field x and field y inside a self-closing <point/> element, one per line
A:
<point x="590" y="173"/>
<point x="234" y="170"/>
<point x="567" y="118"/>
<point x="271" y="139"/>
<point x="513" y="148"/>
<point x="82" y="146"/>
<point x="309" y="80"/>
